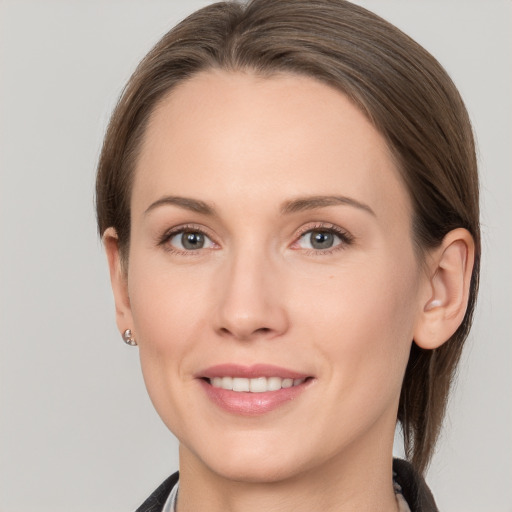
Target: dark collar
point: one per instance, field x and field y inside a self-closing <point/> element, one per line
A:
<point x="157" y="500"/>
<point x="414" y="489"/>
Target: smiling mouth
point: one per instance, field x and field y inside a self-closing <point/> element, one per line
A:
<point x="252" y="390"/>
<point x="254" y="385"/>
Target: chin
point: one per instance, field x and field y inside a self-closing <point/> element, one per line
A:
<point x="262" y="471"/>
<point x="256" y="461"/>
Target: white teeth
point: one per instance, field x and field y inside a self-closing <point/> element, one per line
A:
<point x="256" y="385"/>
<point x="240" y="384"/>
<point x="287" y="383"/>
<point x="227" y="382"/>
<point x="274" y="383"/>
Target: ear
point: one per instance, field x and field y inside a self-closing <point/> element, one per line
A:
<point x="118" y="280"/>
<point x="449" y="276"/>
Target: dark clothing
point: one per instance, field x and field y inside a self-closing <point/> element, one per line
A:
<point x="414" y="489"/>
<point x="156" y="502"/>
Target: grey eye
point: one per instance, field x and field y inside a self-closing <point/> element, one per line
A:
<point x="319" y="239"/>
<point x="190" y="241"/>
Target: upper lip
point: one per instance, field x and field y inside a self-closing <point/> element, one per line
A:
<point x="249" y="372"/>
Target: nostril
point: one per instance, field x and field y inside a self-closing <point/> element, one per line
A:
<point x="245" y="334"/>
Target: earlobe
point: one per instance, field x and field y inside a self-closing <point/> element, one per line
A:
<point x="450" y="269"/>
<point x="118" y="280"/>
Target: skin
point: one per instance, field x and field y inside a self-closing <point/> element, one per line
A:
<point x="258" y="293"/>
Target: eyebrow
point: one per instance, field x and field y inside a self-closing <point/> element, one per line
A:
<point x="194" y="205"/>
<point x="315" y="202"/>
<point x="296" y="205"/>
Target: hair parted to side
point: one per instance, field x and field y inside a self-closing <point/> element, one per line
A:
<point x="397" y="84"/>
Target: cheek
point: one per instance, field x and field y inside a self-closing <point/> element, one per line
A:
<point x="169" y="317"/>
<point x="166" y="312"/>
<point x="363" y="321"/>
<point x="167" y="304"/>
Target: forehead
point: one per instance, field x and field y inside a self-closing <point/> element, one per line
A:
<point x="234" y="133"/>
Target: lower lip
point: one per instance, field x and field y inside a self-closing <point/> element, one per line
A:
<point x="251" y="404"/>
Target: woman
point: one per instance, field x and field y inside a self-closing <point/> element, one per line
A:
<point x="288" y="199"/>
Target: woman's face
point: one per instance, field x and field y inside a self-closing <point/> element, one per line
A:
<point x="270" y="247"/>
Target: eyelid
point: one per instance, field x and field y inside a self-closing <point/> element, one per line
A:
<point x="324" y="226"/>
<point x="345" y="237"/>
<point x="175" y="230"/>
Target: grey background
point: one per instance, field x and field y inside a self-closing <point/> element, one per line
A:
<point x="77" y="431"/>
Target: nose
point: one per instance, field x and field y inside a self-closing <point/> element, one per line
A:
<point x="251" y="301"/>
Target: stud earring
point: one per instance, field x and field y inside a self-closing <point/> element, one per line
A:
<point x="128" y="338"/>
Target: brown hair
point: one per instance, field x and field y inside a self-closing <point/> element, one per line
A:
<point x="397" y="84"/>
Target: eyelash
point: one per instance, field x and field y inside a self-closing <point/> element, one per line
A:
<point x="192" y="228"/>
<point x="346" y="239"/>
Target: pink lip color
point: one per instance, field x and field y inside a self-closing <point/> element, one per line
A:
<point x="245" y="403"/>
<point x="249" y="372"/>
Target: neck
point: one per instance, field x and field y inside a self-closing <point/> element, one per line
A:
<point x="340" y="484"/>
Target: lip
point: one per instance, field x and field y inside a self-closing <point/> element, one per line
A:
<point x="251" y="404"/>
<point x="249" y="372"/>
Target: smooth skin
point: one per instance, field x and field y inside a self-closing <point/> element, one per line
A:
<point x="238" y="181"/>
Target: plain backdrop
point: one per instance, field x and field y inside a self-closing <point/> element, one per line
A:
<point x="77" y="430"/>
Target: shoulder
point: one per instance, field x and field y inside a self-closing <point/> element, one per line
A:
<point x="158" y="498"/>
<point x="414" y="488"/>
